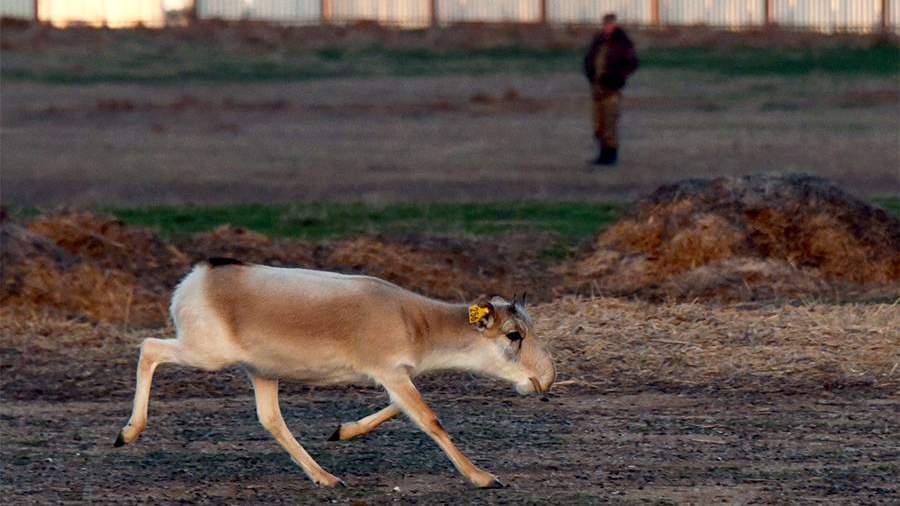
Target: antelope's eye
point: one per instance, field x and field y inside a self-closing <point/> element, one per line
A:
<point x="514" y="336"/>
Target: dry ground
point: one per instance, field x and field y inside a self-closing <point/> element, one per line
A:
<point x="682" y="403"/>
<point x="432" y="138"/>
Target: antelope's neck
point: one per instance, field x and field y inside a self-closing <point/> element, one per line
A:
<point x="451" y="342"/>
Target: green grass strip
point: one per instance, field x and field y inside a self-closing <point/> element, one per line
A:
<point x="569" y="220"/>
<point x="193" y="62"/>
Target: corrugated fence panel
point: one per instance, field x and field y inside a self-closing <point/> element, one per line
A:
<point x="819" y="15"/>
<point x="592" y="11"/>
<point x="281" y="11"/>
<point x="23" y="9"/>
<point x="829" y="15"/>
<point x="511" y="11"/>
<point x="112" y="13"/>
<point x="719" y="13"/>
<point x="276" y="11"/>
<point x="893" y="16"/>
<point x="67" y="12"/>
<point x="220" y="9"/>
<point x="124" y="14"/>
<point x="407" y="13"/>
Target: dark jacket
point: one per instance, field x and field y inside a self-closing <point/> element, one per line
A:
<point x="621" y="60"/>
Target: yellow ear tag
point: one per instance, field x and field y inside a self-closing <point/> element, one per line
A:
<point x="477" y="313"/>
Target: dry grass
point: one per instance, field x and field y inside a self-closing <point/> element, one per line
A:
<point x="47" y="333"/>
<point x="612" y="343"/>
<point x="106" y="295"/>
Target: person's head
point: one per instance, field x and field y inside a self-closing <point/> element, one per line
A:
<point x="610" y="23"/>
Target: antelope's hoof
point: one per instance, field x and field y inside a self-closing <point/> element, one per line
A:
<point x="331" y="482"/>
<point x="120" y="440"/>
<point x="488" y="481"/>
<point x="495" y="483"/>
<point x="336" y="435"/>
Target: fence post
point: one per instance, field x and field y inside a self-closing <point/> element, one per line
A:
<point x="433" y="13"/>
<point x="767" y="12"/>
<point x="885" y="5"/>
<point x="37" y="17"/>
<point x="654" y="13"/>
<point x="325" y="11"/>
<point x="543" y="12"/>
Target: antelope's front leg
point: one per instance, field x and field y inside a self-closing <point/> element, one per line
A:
<point x="269" y="413"/>
<point x="350" y="430"/>
<point x="405" y="396"/>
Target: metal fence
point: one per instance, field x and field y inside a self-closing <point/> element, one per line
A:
<point x="633" y="12"/>
<point x="294" y="11"/>
<point x="111" y="13"/>
<point x="23" y="9"/>
<point x="404" y="13"/>
<point x="496" y="11"/>
<point x="817" y="15"/>
<point x="723" y="13"/>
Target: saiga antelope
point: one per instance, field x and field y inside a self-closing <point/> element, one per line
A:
<point x="326" y="328"/>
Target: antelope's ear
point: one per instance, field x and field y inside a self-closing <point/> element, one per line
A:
<point x="519" y="301"/>
<point x="482" y="314"/>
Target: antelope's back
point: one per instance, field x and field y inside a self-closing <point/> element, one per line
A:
<point x="325" y="320"/>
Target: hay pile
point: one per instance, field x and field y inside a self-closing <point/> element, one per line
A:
<point x="750" y="237"/>
<point x="250" y="246"/>
<point x="88" y="265"/>
<point x="424" y="270"/>
<point x="108" y="243"/>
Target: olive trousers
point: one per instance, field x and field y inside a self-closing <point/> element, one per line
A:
<point x="607" y="110"/>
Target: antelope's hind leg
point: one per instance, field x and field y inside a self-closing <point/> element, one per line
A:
<point x="269" y="413"/>
<point x="350" y="430"/>
<point x="153" y="353"/>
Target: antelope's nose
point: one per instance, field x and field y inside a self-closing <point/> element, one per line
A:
<point x="546" y="382"/>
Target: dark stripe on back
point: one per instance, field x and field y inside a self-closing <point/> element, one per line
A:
<point x="220" y="261"/>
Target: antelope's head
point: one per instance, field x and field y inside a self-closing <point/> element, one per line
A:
<point x="510" y="348"/>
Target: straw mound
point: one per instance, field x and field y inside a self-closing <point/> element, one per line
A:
<point x="108" y="244"/>
<point x="712" y="237"/>
<point x="424" y="270"/>
<point x="39" y="274"/>
<point x="249" y="246"/>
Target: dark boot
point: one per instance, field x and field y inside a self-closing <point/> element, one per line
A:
<point x="608" y="156"/>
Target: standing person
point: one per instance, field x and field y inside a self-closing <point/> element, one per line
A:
<point x="607" y="64"/>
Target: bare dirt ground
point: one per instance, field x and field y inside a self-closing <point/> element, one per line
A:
<point x="662" y="404"/>
<point x="582" y="448"/>
<point x="432" y="138"/>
